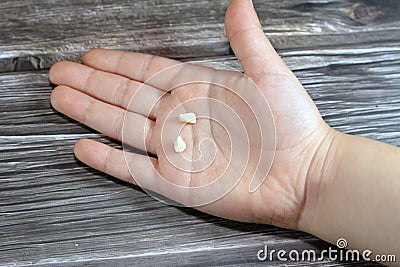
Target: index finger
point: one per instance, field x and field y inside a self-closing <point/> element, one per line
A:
<point x="143" y="68"/>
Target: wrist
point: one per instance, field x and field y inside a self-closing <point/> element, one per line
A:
<point x="354" y="194"/>
<point x="322" y="171"/>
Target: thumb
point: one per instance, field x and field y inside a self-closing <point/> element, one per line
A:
<point x="249" y="42"/>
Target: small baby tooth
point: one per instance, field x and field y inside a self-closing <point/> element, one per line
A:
<point x="188" y="117"/>
<point x="179" y="145"/>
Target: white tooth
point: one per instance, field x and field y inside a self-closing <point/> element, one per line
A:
<point x="179" y="145"/>
<point x="188" y="118"/>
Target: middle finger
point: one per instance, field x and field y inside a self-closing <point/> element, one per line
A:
<point x="108" y="87"/>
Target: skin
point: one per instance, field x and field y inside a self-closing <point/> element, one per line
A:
<point x="320" y="180"/>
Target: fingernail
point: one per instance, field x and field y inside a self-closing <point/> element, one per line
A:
<point x="251" y="1"/>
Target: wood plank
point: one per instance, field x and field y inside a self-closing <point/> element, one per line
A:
<point x="62" y="213"/>
<point x="57" y="212"/>
<point x="355" y="89"/>
<point x="36" y="34"/>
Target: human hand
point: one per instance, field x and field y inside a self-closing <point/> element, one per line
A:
<point x="98" y="93"/>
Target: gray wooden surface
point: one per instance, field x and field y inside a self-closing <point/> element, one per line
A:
<point x="54" y="211"/>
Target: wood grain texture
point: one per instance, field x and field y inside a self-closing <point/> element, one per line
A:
<point x="57" y="212"/>
<point x="356" y="91"/>
<point x="35" y="34"/>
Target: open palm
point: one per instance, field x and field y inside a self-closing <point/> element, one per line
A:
<point x="136" y="98"/>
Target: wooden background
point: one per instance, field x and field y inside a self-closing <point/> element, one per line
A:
<point x="55" y="211"/>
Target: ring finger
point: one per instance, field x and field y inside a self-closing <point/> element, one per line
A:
<point x="105" y="118"/>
